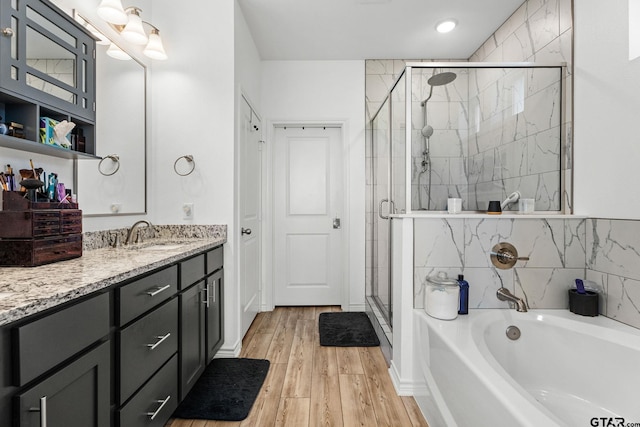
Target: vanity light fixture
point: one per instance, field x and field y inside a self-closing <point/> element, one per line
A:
<point x="446" y="26"/>
<point x="115" y="52"/>
<point x="154" y="49"/>
<point x="132" y="28"/>
<point x="133" y="32"/>
<point x="113" y="12"/>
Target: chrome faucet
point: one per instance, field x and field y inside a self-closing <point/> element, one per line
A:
<point x="504" y="294"/>
<point x="133" y="229"/>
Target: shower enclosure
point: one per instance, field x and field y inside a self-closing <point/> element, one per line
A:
<point x="474" y="131"/>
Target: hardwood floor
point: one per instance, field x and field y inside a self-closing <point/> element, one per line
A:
<point x="311" y="385"/>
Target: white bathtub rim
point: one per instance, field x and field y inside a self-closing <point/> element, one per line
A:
<point x="529" y="411"/>
<point x="494" y="377"/>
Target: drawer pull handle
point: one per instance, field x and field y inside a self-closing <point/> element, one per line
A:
<point x="43" y="411"/>
<point x="206" y="295"/>
<point x="152" y="415"/>
<point x="160" y="340"/>
<point x="158" y="290"/>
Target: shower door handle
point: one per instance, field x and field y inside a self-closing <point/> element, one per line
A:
<point x="380" y="209"/>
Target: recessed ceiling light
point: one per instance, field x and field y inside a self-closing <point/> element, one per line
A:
<point x="446" y="25"/>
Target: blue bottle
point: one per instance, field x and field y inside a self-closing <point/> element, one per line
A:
<point x="463" y="307"/>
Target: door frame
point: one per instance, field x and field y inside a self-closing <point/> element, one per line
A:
<point x="269" y="208"/>
<point x="232" y="303"/>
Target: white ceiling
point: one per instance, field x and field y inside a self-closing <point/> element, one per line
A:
<point x="371" y="29"/>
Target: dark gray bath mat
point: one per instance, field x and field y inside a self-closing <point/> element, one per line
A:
<point x="225" y="391"/>
<point x="347" y="329"/>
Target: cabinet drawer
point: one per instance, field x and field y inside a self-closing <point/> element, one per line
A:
<point x="191" y="271"/>
<point x="146" y="345"/>
<point x="46" y="342"/>
<point x="157" y="399"/>
<point x="143" y="294"/>
<point x="78" y="395"/>
<point x="215" y="259"/>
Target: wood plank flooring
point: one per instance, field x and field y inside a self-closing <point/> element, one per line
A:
<point x="311" y="385"/>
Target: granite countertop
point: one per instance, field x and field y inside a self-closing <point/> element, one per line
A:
<point x="29" y="290"/>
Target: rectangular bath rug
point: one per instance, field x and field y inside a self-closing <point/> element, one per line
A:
<point x="347" y="329"/>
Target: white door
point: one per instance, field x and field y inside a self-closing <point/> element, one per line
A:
<point x="250" y="195"/>
<point x="308" y="198"/>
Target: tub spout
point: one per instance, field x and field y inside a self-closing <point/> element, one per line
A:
<point x="504" y="294"/>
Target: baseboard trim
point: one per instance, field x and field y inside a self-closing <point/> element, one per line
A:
<point x="356" y="307"/>
<point x="405" y="388"/>
<point x="230" y="351"/>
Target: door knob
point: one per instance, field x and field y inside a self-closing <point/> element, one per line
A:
<point x="244" y="231"/>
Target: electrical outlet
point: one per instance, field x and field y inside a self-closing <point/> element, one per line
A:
<point x="115" y="207"/>
<point x="187" y="211"/>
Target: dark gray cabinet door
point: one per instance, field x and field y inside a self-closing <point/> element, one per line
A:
<point x="215" y="313"/>
<point x="75" y="396"/>
<point x="192" y="337"/>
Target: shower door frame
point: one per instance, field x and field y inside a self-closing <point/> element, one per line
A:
<point x="387" y="312"/>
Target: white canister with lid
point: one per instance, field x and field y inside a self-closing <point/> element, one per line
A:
<point x="441" y="297"/>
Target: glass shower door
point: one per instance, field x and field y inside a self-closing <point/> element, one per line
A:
<point x="382" y="206"/>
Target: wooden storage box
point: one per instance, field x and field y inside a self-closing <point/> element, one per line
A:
<point x="38" y="233"/>
<point x="32" y="252"/>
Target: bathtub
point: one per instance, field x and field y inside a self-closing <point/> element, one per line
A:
<point x="564" y="370"/>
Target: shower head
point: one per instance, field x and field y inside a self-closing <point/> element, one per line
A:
<point x="442" y="78"/>
<point x="439" y="79"/>
<point x="427" y="131"/>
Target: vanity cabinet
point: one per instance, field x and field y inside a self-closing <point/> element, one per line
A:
<point x="202" y="332"/>
<point x="61" y="367"/>
<point x="76" y="395"/>
<point x="125" y="357"/>
<point x="214" y="311"/>
<point x="192" y="337"/>
<point x="47" y="69"/>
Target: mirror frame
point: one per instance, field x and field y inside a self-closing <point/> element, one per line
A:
<point x="80" y="18"/>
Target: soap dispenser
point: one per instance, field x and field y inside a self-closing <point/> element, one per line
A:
<point x="463" y="308"/>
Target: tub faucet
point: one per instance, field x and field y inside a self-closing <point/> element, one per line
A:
<point x="133" y="229"/>
<point x="504" y="294"/>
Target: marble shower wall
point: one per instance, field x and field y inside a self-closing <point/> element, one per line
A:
<point x="556" y="249"/>
<point x="613" y="263"/>
<point x="540" y="31"/>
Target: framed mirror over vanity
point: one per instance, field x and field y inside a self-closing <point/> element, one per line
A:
<point x="51" y="66"/>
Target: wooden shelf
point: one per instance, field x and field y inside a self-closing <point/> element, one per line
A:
<point x="36" y="147"/>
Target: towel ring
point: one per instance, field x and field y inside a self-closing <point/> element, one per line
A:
<point x="115" y="159"/>
<point x="189" y="159"/>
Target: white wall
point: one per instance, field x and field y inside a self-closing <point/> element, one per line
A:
<point x="327" y="91"/>
<point x="192" y="96"/>
<point x="607" y="102"/>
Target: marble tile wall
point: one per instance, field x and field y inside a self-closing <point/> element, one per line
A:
<point x="556" y="249"/>
<point x="613" y="263"/>
<point x="605" y="252"/>
<point x="540" y="31"/>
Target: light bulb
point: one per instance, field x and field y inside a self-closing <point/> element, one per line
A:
<point x="154" y="49"/>
<point x="113" y="12"/>
<point x="115" y="52"/>
<point x="133" y="31"/>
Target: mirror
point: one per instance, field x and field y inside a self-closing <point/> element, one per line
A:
<point x="120" y="131"/>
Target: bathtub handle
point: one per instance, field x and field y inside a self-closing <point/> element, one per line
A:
<point x="504" y="255"/>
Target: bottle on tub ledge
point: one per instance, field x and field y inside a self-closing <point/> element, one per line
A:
<point x="463" y="308"/>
